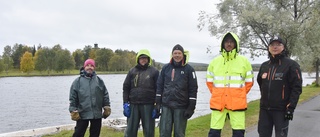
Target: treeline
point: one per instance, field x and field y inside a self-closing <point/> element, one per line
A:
<point x="45" y="59"/>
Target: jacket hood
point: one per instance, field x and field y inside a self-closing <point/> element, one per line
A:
<point x="185" y="59"/>
<point x="233" y="53"/>
<point x="144" y="52"/>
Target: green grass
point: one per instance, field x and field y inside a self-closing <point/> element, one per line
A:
<point x="199" y="127"/>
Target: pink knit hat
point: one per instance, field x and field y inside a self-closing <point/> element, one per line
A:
<point x="89" y="61"/>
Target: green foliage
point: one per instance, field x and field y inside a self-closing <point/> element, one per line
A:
<point x="63" y="60"/>
<point x="255" y="21"/>
<point x="40" y="60"/>
<point x="1" y="65"/>
<point x="103" y="57"/>
<point x="78" y="58"/>
<point x="16" y="53"/>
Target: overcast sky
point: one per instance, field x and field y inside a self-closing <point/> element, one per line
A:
<point x="115" y="24"/>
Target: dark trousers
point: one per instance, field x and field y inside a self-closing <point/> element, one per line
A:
<point x="270" y="118"/>
<point x="143" y="113"/>
<point x="173" y="117"/>
<point x="82" y="125"/>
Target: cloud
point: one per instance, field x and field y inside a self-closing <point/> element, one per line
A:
<point x="121" y="24"/>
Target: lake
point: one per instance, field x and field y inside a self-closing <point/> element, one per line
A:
<point x="36" y="102"/>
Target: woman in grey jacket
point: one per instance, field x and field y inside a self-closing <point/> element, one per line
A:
<point x="88" y="96"/>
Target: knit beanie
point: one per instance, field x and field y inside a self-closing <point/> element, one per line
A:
<point x="178" y="47"/>
<point x="89" y="61"/>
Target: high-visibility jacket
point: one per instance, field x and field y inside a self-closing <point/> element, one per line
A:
<point x="229" y="79"/>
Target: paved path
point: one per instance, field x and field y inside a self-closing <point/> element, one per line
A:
<point x="306" y="121"/>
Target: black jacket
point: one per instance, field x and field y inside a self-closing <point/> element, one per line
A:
<point x="176" y="85"/>
<point x="139" y="86"/>
<point x="280" y="83"/>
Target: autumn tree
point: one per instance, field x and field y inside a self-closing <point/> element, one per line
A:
<point x="27" y="64"/>
<point x="17" y="51"/>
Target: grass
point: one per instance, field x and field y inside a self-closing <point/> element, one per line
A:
<point x="199" y="127"/>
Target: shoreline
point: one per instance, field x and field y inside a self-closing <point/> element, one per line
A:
<point x="118" y="124"/>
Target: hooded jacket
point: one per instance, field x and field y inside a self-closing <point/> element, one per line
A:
<point x="88" y="95"/>
<point x="140" y="85"/>
<point x="280" y="83"/>
<point x="177" y="84"/>
<point x="229" y="78"/>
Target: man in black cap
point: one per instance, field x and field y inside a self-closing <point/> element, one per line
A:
<point x="280" y="84"/>
<point x="176" y="93"/>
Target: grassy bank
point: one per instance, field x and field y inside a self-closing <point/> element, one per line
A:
<point x="199" y="126"/>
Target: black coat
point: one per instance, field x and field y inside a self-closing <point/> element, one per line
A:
<point x="140" y="85"/>
<point x="280" y="83"/>
<point x="177" y="85"/>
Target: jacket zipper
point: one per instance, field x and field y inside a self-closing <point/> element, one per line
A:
<point x="270" y="79"/>
<point x="283" y="92"/>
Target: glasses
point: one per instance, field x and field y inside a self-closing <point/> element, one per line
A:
<point x="276" y="45"/>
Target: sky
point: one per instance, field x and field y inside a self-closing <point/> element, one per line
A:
<point x="116" y="24"/>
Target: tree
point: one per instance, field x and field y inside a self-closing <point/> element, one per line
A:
<point x="64" y="60"/>
<point x="86" y="51"/>
<point x="27" y="64"/>
<point x="103" y="57"/>
<point x="255" y="21"/>
<point x="78" y="58"/>
<point x="40" y="60"/>
<point x="6" y="59"/>
<point x="1" y="64"/>
<point x="17" y="51"/>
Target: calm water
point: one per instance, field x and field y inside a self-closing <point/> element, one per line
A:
<point x="36" y="102"/>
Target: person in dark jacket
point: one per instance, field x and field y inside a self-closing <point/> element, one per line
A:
<point x="88" y="96"/>
<point x="139" y="92"/>
<point x="176" y="93"/>
<point x="280" y="84"/>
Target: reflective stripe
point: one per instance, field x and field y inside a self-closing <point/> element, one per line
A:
<point x="158" y="95"/>
<point x="219" y="85"/>
<point x="249" y="80"/>
<point x="194" y="75"/>
<point x="218" y="78"/>
<point x="193" y="98"/>
<point x="228" y="78"/>
<point x="236" y="78"/>
<point x="249" y="73"/>
<point x="229" y="85"/>
<point x="209" y="79"/>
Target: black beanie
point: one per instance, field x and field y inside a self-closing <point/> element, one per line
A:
<point x="178" y="47"/>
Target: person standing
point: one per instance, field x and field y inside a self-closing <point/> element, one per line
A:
<point x="176" y="93"/>
<point x="88" y="96"/>
<point x="280" y="84"/>
<point x="139" y="92"/>
<point x="229" y="79"/>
